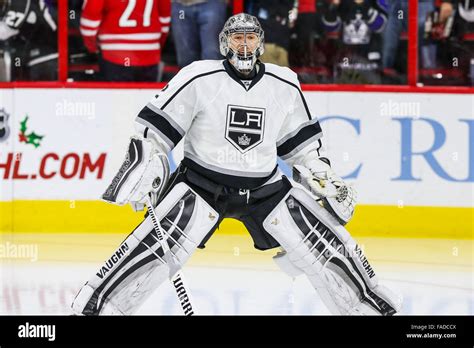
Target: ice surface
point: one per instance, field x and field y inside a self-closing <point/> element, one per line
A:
<point x="230" y="277"/>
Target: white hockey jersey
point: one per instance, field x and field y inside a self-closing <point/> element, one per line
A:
<point x="233" y="130"/>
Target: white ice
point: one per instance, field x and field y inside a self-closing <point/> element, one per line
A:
<point x="230" y="277"/>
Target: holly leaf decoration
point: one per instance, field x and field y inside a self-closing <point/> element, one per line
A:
<point x="23" y="127"/>
<point x="34" y="139"/>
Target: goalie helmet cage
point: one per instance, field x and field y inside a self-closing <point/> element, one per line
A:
<point x="238" y="7"/>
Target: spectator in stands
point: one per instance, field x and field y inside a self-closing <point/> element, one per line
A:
<point x="83" y="65"/>
<point x="129" y="34"/>
<point x="196" y="25"/>
<point x="359" y="23"/>
<point x="305" y="28"/>
<point x="396" y="24"/>
<point x="461" y="12"/>
<point x="277" y="18"/>
<point x="427" y="50"/>
<point x="29" y="32"/>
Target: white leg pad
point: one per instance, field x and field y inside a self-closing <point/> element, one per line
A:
<point x="324" y="250"/>
<point x="137" y="267"/>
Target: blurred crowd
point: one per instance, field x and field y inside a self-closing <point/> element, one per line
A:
<point x="324" y="41"/>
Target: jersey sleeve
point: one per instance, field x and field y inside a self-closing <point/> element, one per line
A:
<point x="378" y="15"/>
<point x="91" y="19"/>
<point x="169" y="115"/>
<point x="301" y="133"/>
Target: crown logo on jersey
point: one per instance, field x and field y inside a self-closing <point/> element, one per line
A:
<point x="244" y="140"/>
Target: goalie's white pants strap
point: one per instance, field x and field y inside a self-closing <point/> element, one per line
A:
<point x="137" y="267"/>
<point x="322" y="248"/>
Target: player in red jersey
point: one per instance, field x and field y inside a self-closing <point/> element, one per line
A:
<point x="129" y="34"/>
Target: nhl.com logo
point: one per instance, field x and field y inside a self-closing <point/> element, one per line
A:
<point x="4" y="127"/>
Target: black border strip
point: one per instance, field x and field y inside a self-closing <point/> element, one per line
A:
<point x="240" y="331"/>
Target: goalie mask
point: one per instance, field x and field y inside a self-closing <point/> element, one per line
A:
<point x="241" y="41"/>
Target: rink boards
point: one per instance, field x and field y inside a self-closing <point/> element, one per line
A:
<point x="409" y="155"/>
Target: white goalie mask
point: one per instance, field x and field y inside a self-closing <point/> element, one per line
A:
<point x="241" y="41"/>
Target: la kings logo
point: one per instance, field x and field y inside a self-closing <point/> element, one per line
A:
<point x="4" y="129"/>
<point x="245" y="127"/>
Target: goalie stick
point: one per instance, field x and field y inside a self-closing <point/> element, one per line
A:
<point x="176" y="277"/>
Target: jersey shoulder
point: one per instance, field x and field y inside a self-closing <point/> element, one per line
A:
<point x="282" y="73"/>
<point x="201" y="67"/>
<point x="193" y="77"/>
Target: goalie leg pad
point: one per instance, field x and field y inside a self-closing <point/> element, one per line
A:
<point x="137" y="267"/>
<point x="322" y="248"/>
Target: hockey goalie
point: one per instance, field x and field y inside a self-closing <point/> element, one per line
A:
<point x="255" y="112"/>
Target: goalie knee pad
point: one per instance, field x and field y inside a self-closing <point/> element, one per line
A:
<point x="321" y="247"/>
<point x="138" y="267"/>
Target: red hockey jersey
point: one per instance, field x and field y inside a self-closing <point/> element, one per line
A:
<point x="128" y="32"/>
<point x="307" y="6"/>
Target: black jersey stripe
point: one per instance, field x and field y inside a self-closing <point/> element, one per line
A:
<point x="187" y="83"/>
<point x="161" y="124"/>
<point x="297" y="88"/>
<point x="234" y="181"/>
<point x="169" y="118"/>
<point x="299" y="138"/>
